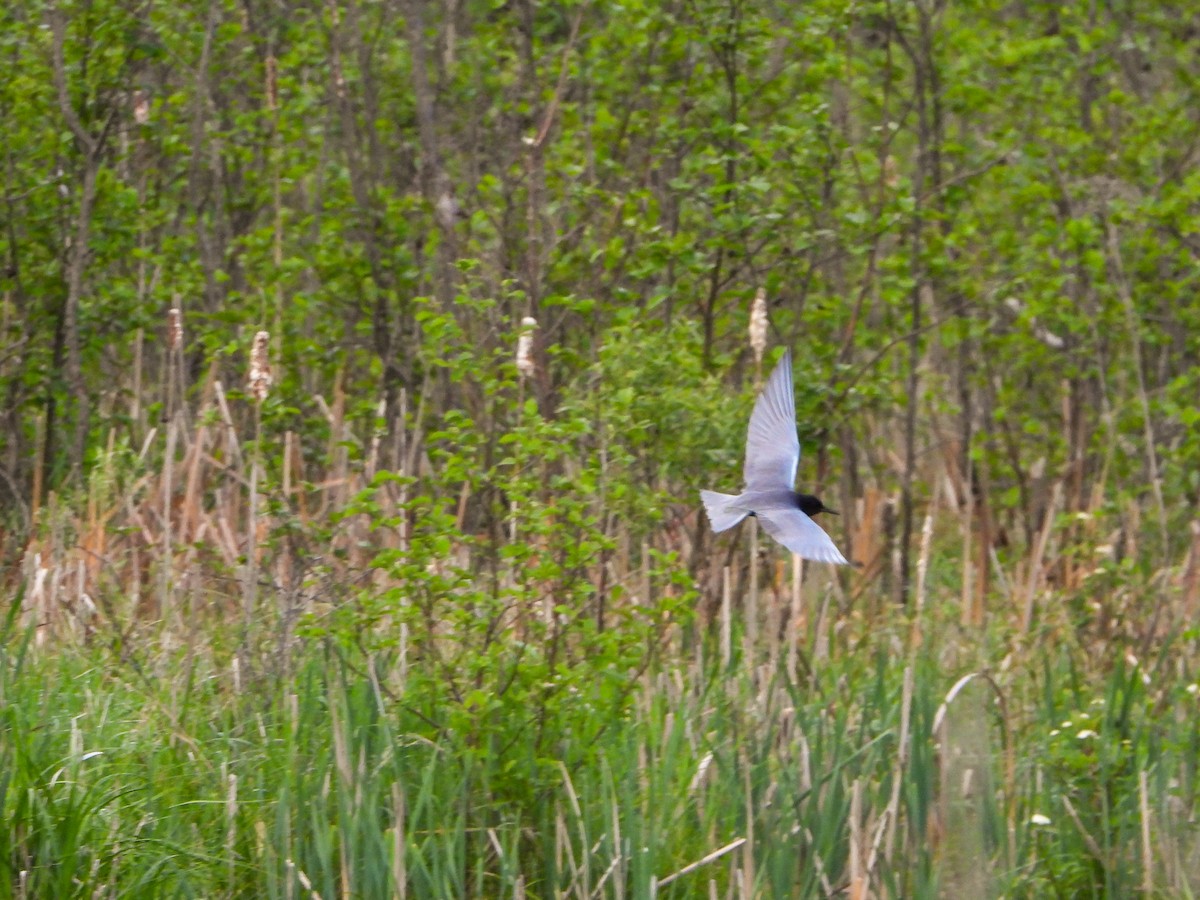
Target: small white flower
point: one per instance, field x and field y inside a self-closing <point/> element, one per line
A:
<point x="1066" y="724"/>
<point x="1055" y="732"/>
<point x="1039" y="820"/>
<point x="1193" y="689"/>
<point x="1086" y="733"/>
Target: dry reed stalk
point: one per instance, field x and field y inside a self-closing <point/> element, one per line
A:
<point x="984" y="544"/>
<point x="258" y="383"/>
<point x="866" y="536"/>
<point x="345" y="771"/>
<point x="193" y="507"/>
<point x="726" y="619"/>
<point x="339" y="436"/>
<point x="703" y="861"/>
<point x="751" y="617"/>
<point x="225" y="517"/>
<point x="168" y="490"/>
<point x="773" y="614"/>
<point x="598" y="891"/>
<point x="399" y="842"/>
<point x="231" y="439"/>
<point x="80" y="602"/>
<point x="231" y="809"/>
<point x="645" y="576"/>
<point x="57" y="558"/>
<point x="135" y="578"/>
<point x="967" y="589"/>
<point x="821" y="639"/>
<point x="795" y="617"/>
<point x="134" y="512"/>
<point x="1147" y="845"/>
<point x="174" y="341"/>
<point x="859" y="879"/>
<point x="584" y="843"/>
<point x="1090" y="842"/>
<point x="1190" y="580"/>
<point x="289" y="461"/>
<point x="402" y="464"/>
<point x="135" y="401"/>
<point x="1134" y="324"/>
<point x="902" y="751"/>
<point x="92" y="539"/>
<point x="35" y="593"/>
<point x="525" y="370"/>
<point x="926" y="547"/>
<point x="1073" y="476"/>
<point x="747" y="870"/>
<point x="301" y="877"/>
<point x="562" y="839"/>
<point x="923" y="571"/>
<point x="1038" y="559"/>
<point x="460" y="514"/>
<point x="965" y="754"/>
<point x="39" y="441"/>
<point x="412" y="466"/>
<point x="758" y="330"/>
<point x="372" y="461"/>
<point x="818" y="863"/>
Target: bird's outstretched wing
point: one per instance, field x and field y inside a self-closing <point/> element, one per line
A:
<point x="800" y="534"/>
<point x="772" y="448"/>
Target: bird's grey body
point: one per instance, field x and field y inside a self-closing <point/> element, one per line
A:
<point x="772" y="453"/>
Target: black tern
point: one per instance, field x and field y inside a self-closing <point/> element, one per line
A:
<point x="772" y="452"/>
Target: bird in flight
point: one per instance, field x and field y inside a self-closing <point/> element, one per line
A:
<point x="772" y="452"/>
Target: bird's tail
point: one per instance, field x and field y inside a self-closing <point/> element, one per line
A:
<point x="720" y="514"/>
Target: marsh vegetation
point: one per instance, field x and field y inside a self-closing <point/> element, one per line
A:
<point x="362" y="364"/>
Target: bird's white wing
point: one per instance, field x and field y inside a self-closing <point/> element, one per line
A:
<point x="800" y="534"/>
<point x="772" y="448"/>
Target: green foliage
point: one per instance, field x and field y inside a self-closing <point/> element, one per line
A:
<point x="508" y="644"/>
<point x="478" y="630"/>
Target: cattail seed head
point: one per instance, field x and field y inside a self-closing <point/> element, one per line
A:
<point x="141" y="107"/>
<point x="259" y="381"/>
<point x="891" y="172"/>
<point x="525" y="364"/>
<point x="758" y="325"/>
<point x="174" y="328"/>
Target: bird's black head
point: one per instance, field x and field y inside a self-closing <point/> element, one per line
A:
<point x="810" y="505"/>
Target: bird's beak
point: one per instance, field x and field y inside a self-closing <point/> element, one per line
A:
<point x="832" y="512"/>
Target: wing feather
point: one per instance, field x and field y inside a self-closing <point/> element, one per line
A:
<point x="772" y="448"/>
<point x="800" y="534"/>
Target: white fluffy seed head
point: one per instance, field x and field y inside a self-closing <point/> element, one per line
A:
<point x="525" y="366"/>
<point x="260" y="379"/>
<point x="141" y="107"/>
<point x="174" y="328"/>
<point x="758" y="325"/>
